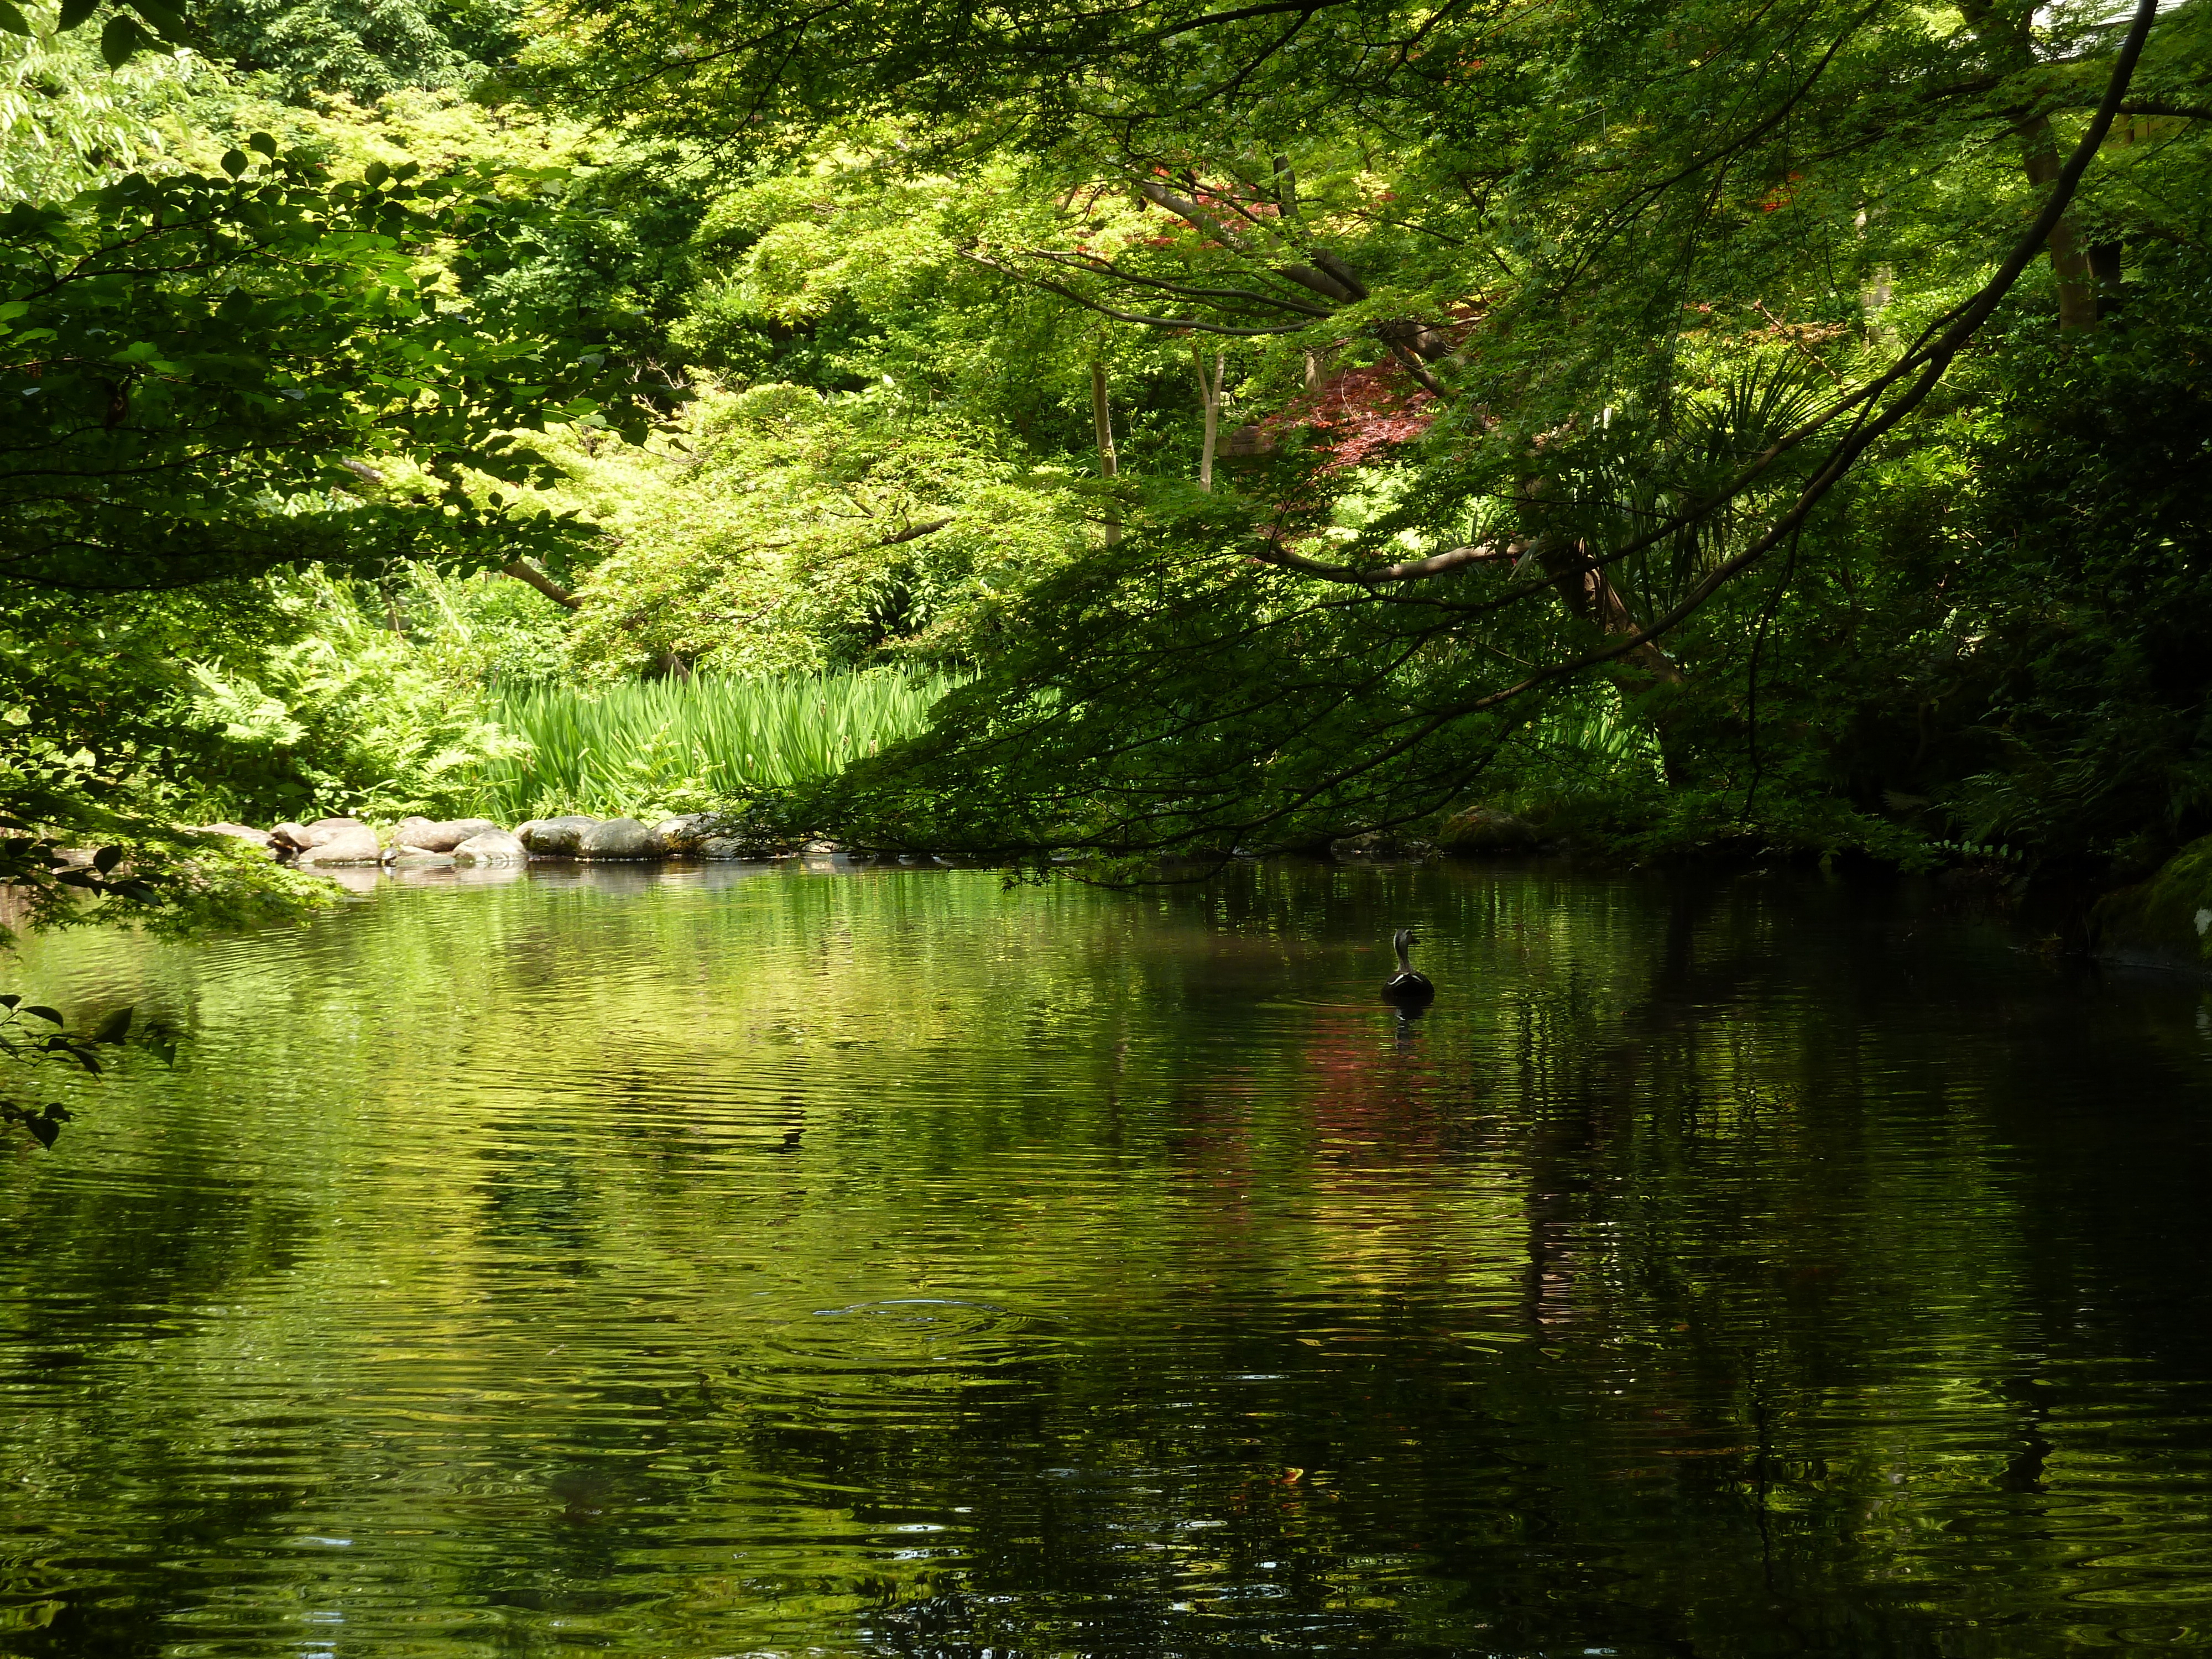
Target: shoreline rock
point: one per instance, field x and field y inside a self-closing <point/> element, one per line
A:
<point x="1376" y="844"/>
<point x="348" y="843"/>
<point x="417" y="842"/>
<point x="493" y="847"/>
<point x="720" y="837"/>
<point x="554" y="837"/>
<point x="620" y="838"/>
<point x="687" y="832"/>
<point x="2164" y="923"/>
<point x="432" y="835"/>
<point x="1486" y="829"/>
<point x="246" y="833"/>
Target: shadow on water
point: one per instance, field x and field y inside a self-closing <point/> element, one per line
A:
<point x="743" y="1261"/>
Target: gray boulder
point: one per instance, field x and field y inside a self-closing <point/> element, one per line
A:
<point x="1486" y="829"/>
<point x="300" y="837"/>
<point x="723" y="835"/>
<point x="413" y="858"/>
<point x="558" y="837"/>
<point x="245" y="832"/>
<point x="687" y="833"/>
<point x="493" y="846"/>
<point x="1375" y="844"/>
<point x="620" y="838"/>
<point x="343" y="844"/>
<point x="443" y="837"/>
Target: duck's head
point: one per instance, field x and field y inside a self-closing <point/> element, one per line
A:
<point x="1405" y="939"/>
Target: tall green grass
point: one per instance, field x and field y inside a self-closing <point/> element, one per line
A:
<point x="1595" y="739"/>
<point x="665" y="746"/>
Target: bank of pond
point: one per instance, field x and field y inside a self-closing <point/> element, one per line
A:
<point x="420" y="843"/>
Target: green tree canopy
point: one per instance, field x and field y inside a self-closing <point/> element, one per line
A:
<point x="202" y="375"/>
<point x="1564" y="328"/>
<point x="206" y="377"/>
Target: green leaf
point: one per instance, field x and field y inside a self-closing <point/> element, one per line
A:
<point x="262" y="145"/>
<point x="234" y="163"/>
<point x="10" y="1002"/>
<point x="74" y="12"/>
<point x="119" y="40"/>
<point x="165" y="18"/>
<point x="45" y="1130"/>
<point x="115" y="1027"/>
<point x="43" y="1013"/>
<point x="106" y="859"/>
<point x="13" y="21"/>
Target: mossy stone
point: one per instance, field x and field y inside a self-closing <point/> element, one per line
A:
<point x="2168" y="917"/>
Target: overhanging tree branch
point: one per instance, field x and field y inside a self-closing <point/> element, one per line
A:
<point x="1097" y="266"/>
<point x="1119" y="316"/>
<point x="524" y="571"/>
<point x="1879" y="408"/>
<point x="1934" y="361"/>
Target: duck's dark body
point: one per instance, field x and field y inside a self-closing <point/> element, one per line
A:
<point x="1409" y="988"/>
<point x="1406" y="986"/>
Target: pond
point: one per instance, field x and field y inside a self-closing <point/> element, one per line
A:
<point x="756" y="1260"/>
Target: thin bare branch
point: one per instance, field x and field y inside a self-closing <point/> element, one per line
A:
<point x="1119" y="316"/>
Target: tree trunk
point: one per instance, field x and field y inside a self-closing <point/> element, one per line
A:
<point x="1873" y="299"/>
<point x="1107" y="464"/>
<point x="2011" y="31"/>
<point x="2105" y="266"/>
<point x="1590" y="596"/>
<point x="2070" y="261"/>
<point x="1585" y="590"/>
<point x="1209" y="400"/>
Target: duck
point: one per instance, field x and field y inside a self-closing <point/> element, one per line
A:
<point x="1405" y="985"/>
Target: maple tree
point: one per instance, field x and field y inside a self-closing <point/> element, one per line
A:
<point x="1512" y="455"/>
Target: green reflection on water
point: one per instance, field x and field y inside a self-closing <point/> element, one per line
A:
<point x="743" y="1261"/>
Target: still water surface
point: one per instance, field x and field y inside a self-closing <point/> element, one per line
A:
<point x="774" y="1262"/>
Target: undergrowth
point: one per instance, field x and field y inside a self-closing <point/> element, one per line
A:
<point x="652" y="748"/>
